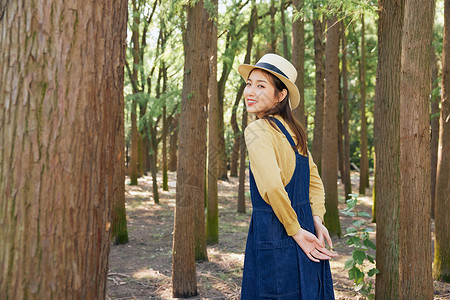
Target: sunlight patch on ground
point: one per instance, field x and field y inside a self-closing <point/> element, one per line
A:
<point x="150" y="274"/>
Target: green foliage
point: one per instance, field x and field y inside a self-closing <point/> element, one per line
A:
<point x="358" y="238"/>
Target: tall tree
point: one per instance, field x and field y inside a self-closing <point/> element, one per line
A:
<point x="387" y="147"/>
<point x="191" y="159"/>
<point x="212" y="216"/>
<point x="319" y="51"/>
<point x="242" y="166"/>
<point x="364" y="161"/>
<point x="134" y="161"/>
<point x="442" y="227"/>
<point x="61" y="112"/>
<point x="298" y="60"/>
<point x="346" y="117"/>
<point x="330" y="134"/>
<point x="415" y="223"/>
<point x="434" y="127"/>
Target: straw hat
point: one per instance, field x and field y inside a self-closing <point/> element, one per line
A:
<point x="279" y="67"/>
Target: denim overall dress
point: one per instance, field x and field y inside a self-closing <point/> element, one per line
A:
<point x="275" y="267"/>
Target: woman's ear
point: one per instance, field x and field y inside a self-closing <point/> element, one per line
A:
<point x="282" y="95"/>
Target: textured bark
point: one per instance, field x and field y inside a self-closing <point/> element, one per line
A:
<point x="236" y="131"/>
<point x="319" y="50"/>
<point x="442" y="225"/>
<point x="330" y="145"/>
<point x="364" y="161"/>
<point x="191" y="161"/>
<point x="212" y="215"/>
<point x="346" y="117"/>
<point x="173" y="143"/>
<point x="242" y="166"/>
<point x="415" y="223"/>
<point x="283" y="26"/>
<point x="119" y="229"/>
<point x="434" y="128"/>
<point x="134" y="159"/>
<point x="387" y="147"/>
<point x="298" y="60"/>
<point x="61" y="87"/>
<point x="165" y="183"/>
<point x="273" y="36"/>
<point x="153" y="159"/>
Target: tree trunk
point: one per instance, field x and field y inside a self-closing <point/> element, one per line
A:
<point x="273" y="36"/>
<point x="62" y="118"/>
<point x="298" y="60"/>
<point x="434" y="128"/>
<point x="346" y="117"/>
<point x="442" y="228"/>
<point x="165" y="183"/>
<point x="387" y="147"/>
<point x="119" y="229"/>
<point x="283" y="26"/>
<point x="212" y="215"/>
<point x="319" y="50"/>
<point x="364" y="162"/>
<point x="415" y="223"/>
<point x="236" y="132"/>
<point x="329" y="150"/>
<point x="134" y="160"/>
<point x="173" y="140"/>
<point x="242" y="166"/>
<point x="153" y="160"/>
<point x="191" y="161"/>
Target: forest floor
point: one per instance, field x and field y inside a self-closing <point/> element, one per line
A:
<point x="142" y="268"/>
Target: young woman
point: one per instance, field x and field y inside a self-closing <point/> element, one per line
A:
<point x="285" y="256"/>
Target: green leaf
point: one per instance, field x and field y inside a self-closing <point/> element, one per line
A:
<point x="351" y="202"/>
<point x="354" y="240"/>
<point x="358" y="223"/>
<point x="364" y="214"/>
<point x="352" y="273"/>
<point x="349" y="263"/>
<point x="358" y="256"/>
<point x="358" y="287"/>
<point x="351" y="230"/>
<point x="368" y="229"/>
<point x="348" y="213"/>
<point x="370" y="258"/>
<point x="373" y="272"/>
<point x="369" y="244"/>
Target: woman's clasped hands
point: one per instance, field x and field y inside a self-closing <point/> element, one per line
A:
<point x="314" y="246"/>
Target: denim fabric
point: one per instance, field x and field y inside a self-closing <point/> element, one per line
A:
<point x="275" y="267"/>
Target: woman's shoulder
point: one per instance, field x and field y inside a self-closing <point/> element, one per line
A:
<point x="257" y="125"/>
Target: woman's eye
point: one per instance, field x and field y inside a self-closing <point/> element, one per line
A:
<point x="261" y="86"/>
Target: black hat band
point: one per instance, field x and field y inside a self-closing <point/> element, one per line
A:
<point x="271" y="68"/>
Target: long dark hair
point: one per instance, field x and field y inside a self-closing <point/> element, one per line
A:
<point x="283" y="109"/>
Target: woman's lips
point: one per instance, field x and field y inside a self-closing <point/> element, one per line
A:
<point x="250" y="102"/>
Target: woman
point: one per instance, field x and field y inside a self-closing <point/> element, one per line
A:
<point x="285" y="256"/>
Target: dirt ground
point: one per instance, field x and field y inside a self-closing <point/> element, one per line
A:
<point x="142" y="268"/>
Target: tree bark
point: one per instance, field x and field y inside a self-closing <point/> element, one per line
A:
<point x="442" y="228"/>
<point x="298" y="60"/>
<point x="273" y="36"/>
<point x="236" y="132"/>
<point x="434" y="128"/>
<point x="242" y="166"/>
<point x="62" y="114"/>
<point x="134" y="160"/>
<point x="346" y="117"/>
<point x="283" y="26"/>
<point x="387" y="147"/>
<point x="329" y="150"/>
<point x="363" y="162"/>
<point x="173" y="140"/>
<point x="191" y="161"/>
<point x="319" y="50"/>
<point x="415" y="223"/>
<point x="165" y="183"/>
<point x="212" y="215"/>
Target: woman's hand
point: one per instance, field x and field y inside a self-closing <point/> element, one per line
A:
<point x="322" y="232"/>
<point x="311" y="245"/>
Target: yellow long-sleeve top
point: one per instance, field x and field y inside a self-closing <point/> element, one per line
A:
<point x="272" y="161"/>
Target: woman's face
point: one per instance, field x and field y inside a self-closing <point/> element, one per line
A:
<point x="259" y="94"/>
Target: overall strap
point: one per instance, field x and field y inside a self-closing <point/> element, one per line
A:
<point x="286" y="133"/>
